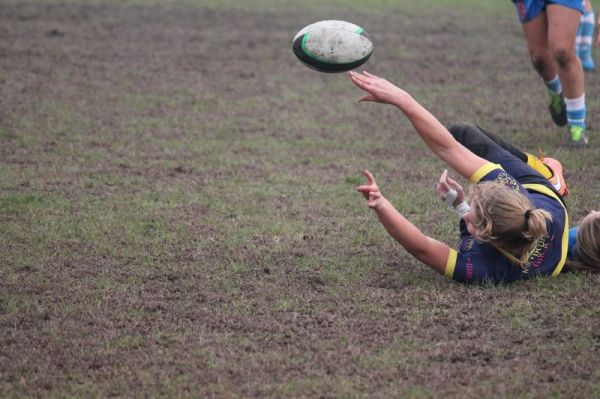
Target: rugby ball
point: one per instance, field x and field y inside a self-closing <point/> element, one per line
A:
<point x="333" y="46"/>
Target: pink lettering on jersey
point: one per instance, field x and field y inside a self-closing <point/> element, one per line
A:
<point x="539" y="253"/>
<point x="469" y="269"/>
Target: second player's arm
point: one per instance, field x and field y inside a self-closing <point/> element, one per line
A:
<point x="428" y="250"/>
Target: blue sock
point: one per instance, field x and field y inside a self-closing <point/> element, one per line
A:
<point x="554" y="86"/>
<point x="576" y="111"/>
<point x="585" y="35"/>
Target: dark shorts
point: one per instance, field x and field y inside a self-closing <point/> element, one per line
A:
<point x="529" y="9"/>
<point x="496" y="150"/>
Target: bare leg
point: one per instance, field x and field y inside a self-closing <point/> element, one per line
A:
<point x="536" y="35"/>
<point x="562" y="29"/>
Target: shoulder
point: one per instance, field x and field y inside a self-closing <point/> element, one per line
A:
<point x="491" y="172"/>
<point x="487" y="172"/>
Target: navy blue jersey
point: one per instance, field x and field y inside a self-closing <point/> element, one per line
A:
<point x="482" y="262"/>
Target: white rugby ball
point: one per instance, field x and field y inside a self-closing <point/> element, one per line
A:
<point x="333" y="46"/>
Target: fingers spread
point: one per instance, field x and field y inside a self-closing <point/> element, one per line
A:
<point x="373" y="198"/>
<point x="360" y="83"/>
<point x="358" y="77"/>
<point x="371" y="75"/>
<point x="454" y="184"/>
<point x="370" y="178"/>
<point x="444" y="176"/>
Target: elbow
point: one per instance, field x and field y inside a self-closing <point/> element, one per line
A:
<point x="421" y="254"/>
<point x="431" y="254"/>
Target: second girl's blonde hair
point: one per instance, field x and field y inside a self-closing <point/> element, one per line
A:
<point x="588" y="246"/>
<point x="502" y="215"/>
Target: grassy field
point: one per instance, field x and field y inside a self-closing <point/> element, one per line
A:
<point x="178" y="215"/>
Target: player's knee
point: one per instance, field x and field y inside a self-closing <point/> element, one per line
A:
<point x="540" y="62"/>
<point x="563" y="56"/>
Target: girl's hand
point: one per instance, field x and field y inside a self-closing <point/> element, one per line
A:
<point x="371" y="192"/>
<point x="446" y="184"/>
<point x="379" y="89"/>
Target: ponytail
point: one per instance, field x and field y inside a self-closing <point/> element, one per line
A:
<point x="504" y="216"/>
<point x="535" y="228"/>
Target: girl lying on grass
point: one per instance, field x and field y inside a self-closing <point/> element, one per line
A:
<point x="516" y="225"/>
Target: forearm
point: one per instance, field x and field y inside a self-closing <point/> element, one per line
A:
<point x="439" y="139"/>
<point x="433" y="133"/>
<point x="426" y="249"/>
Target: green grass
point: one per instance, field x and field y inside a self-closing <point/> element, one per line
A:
<point x="373" y="6"/>
<point x="178" y="214"/>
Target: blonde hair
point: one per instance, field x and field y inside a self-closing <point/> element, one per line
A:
<point x="503" y="216"/>
<point x="588" y="246"/>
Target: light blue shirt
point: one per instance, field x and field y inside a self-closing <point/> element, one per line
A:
<point x="572" y="251"/>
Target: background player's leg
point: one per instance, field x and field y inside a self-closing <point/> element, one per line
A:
<point x="536" y="36"/>
<point x="562" y="28"/>
<point x="585" y="35"/>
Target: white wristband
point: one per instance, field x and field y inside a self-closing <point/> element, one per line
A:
<point x="462" y="208"/>
<point x="449" y="198"/>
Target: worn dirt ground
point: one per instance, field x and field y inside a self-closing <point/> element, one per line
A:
<point x="178" y="215"/>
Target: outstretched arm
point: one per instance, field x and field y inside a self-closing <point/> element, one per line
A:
<point x="435" y="135"/>
<point x="428" y="250"/>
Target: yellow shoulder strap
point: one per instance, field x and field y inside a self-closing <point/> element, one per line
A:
<point x="565" y="239"/>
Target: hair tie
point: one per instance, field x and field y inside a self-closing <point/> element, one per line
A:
<point x="527" y="214"/>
